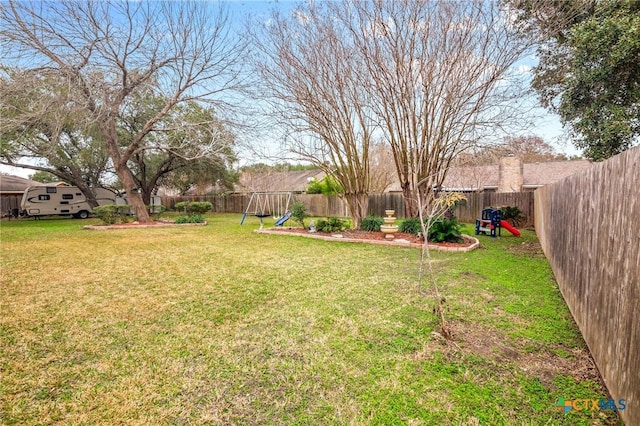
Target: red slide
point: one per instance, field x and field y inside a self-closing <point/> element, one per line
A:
<point x="509" y="228"/>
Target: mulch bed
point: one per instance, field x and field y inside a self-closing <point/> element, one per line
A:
<point x="357" y="235"/>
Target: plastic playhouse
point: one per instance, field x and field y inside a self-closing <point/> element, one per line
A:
<point x="492" y="223"/>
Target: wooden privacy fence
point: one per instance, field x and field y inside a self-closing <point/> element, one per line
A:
<point x="467" y="211"/>
<point x="334" y="206"/>
<point x="317" y="205"/>
<point x="10" y="203"/>
<point x="234" y="203"/>
<point x="588" y="225"/>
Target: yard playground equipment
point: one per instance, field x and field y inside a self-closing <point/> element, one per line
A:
<point x="285" y="217"/>
<point x="265" y="204"/>
<point x="492" y="222"/>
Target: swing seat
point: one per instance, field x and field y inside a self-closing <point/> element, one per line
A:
<point x="261" y="215"/>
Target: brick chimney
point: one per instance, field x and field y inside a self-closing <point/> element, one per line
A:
<point x="511" y="176"/>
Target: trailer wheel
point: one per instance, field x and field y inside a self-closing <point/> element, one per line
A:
<point x="82" y="214"/>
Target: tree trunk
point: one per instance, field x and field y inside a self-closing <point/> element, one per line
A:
<point x="88" y="193"/>
<point x="146" y="194"/>
<point x="135" y="200"/>
<point x="128" y="180"/>
<point x="423" y="193"/>
<point x="358" y="205"/>
<point x="410" y="202"/>
<point x="133" y="193"/>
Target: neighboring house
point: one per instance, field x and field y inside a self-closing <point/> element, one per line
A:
<point x="297" y="181"/>
<point x="11" y="190"/>
<point x="510" y="175"/>
<point x="513" y="176"/>
<point x="537" y="175"/>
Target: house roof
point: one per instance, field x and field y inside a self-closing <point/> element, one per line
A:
<point x="10" y="184"/>
<point x="540" y="174"/>
<point x="278" y="181"/>
<point x="473" y="178"/>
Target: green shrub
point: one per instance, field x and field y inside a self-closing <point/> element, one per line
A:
<point x="182" y="205"/>
<point x="321" y="224"/>
<point x="445" y="230"/>
<point x="111" y="214"/>
<point x="333" y="224"/>
<point x="327" y="186"/>
<point x="182" y="219"/>
<point x="200" y="207"/>
<point x="410" y="226"/>
<point x="513" y="214"/>
<point x="371" y="223"/>
<point x="196" y="218"/>
<point x="314" y="187"/>
<point x="194" y="207"/>
<point x="194" y="211"/>
<point x="337" y="224"/>
<point x="299" y="212"/>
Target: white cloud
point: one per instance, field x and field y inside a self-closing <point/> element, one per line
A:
<point x="524" y="69"/>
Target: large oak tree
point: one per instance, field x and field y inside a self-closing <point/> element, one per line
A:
<point x="42" y="130"/>
<point x="189" y="146"/>
<point x="589" y="68"/>
<point x="105" y="51"/>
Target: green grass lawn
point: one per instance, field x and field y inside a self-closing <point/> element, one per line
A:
<point x="219" y="325"/>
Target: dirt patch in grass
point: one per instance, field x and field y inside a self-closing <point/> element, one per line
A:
<point x="527" y="248"/>
<point x="504" y="354"/>
<point x="472" y="276"/>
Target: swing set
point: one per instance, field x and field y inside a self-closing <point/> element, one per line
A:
<point x="265" y="204"/>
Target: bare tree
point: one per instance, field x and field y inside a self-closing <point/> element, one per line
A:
<point x="431" y="78"/>
<point x="439" y="78"/>
<point x="106" y="51"/>
<point x="381" y="166"/>
<point x="312" y="78"/>
<point x="529" y="149"/>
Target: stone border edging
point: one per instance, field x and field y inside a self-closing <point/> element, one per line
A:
<point x="473" y="246"/>
<point x="155" y="225"/>
<point x="398" y="243"/>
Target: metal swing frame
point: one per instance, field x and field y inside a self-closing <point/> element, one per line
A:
<point x="265" y="203"/>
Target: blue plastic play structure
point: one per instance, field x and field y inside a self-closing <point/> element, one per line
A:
<point x="491" y="222"/>
<point x="283" y="219"/>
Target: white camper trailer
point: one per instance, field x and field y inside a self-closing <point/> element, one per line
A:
<point x="61" y="200"/>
